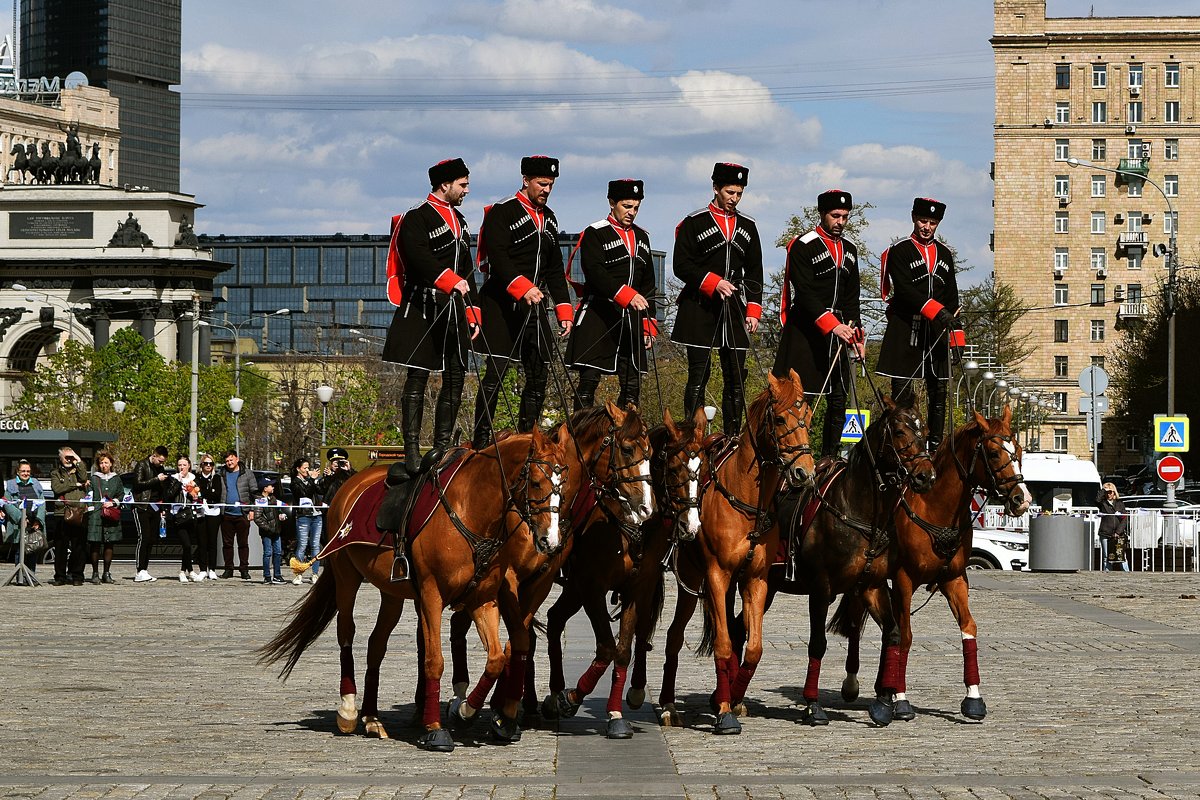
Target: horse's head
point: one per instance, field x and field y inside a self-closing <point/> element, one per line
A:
<point x="681" y="458"/>
<point x="901" y="454"/>
<point x="780" y="418"/>
<point x="622" y="463"/>
<point x="539" y="492"/>
<point x="996" y="461"/>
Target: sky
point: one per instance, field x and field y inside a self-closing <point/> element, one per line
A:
<point x="298" y="119"/>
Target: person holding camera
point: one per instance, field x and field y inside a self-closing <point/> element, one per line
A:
<point x="337" y="472"/>
<point x="69" y="482"/>
<point x="306" y="502"/>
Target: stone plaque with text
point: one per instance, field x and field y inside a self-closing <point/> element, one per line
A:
<point x="50" y="225"/>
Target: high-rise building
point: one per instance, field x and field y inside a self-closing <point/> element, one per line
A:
<point x="131" y="48"/>
<point x="1097" y="148"/>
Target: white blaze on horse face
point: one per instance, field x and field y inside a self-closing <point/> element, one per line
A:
<point x="693" y="491"/>
<point x="647" y="495"/>
<point x="555" y="502"/>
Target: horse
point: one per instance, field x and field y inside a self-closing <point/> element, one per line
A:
<point x="737" y="540"/>
<point x="626" y="563"/>
<point x="933" y="533"/>
<point x="92" y="175"/>
<point x="610" y="450"/>
<point x="20" y="163"/>
<point x="33" y="163"/>
<point x="49" y="168"/>
<point x="468" y="500"/>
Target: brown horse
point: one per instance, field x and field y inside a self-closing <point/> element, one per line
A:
<point x="494" y="493"/>
<point x="933" y="532"/>
<point x="738" y="539"/>
<point x="610" y="450"/>
<point x="625" y="561"/>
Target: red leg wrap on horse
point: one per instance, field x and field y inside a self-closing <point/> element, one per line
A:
<point x="433" y="706"/>
<point x="514" y="675"/>
<point x="347" y="658"/>
<point x="478" y="695"/>
<point x="638" y="681"/>
<point x="618" y="688"/>
<point x="589" y="679"/>
<point x="970" y="662"/>
<point x="813" y="679"/>
<point x="902" y="685"/>
<point x="726" y="672"/>
<point x="737" y="692"/>
<point x="370" y="706"/>
<point x="666" y="692"/>
<point x="890" y="679"/>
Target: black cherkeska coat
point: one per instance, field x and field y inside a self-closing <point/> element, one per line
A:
<point x="917" y="281"/>
<point x="820" y="290"/>
<point x="703" y="256"/>
<point x="604" y="323"/>
<point x="517" y="253"/>
<point x="430" y="325"/>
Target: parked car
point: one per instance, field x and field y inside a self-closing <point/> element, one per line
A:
<point x="999" y="549"/>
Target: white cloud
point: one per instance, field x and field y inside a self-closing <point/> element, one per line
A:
<point x="572" y="20"/>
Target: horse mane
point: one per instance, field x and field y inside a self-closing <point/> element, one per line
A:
<point x="594" y="421"/>
<point x="971" y="429"/>
<point x="766" y="400"/>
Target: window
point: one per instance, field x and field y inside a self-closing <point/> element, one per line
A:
<point x="1062" y="221"/>
<point x="1171" y="185"/>
<point x="1097" y="222"/>
<point x="253" y="266"/>
<point x="333" y="265"/>
<point x="362" y="265"/>
<point x="1135" y="259"/>
<point x="1060" y="434"/>
<point x="1135" y="222"/>
<point x="1098" y="186"/>
<point x="1099" y="76"/>
<point x="1170" y="219"/>
<point x="1099" y="149"/>
<point x="1171" y="150"/>
<point x="1133" y="293"/>
<point x="307" y="259"/>
<point x="279" y="265"/>
<point x="1135" y="148"/>
<point x="1133" y="112"/>
<point x="1097" y="330"/>
<point x="1062" y="185"/>
<point x="1060" y="366"/>
<point x="1100" y="111"/>
<point x="1062" y="149"/>
<point x="1134" y="189"/>
<point x="1133" y="443"/>
<point x="1060" y="294"/>
<point x="1062" y="76"/>
<point x="1099" y="258"/>
<point x="1097" y="294"/>
<point x="1062" y="113"/>
<point x="1171" y="76"/>
<point x="1060" y="330"/>
<point x="1171" y="111"/>
<point x="1136" y="73"/>
<point x="1061" y="258"/>
<point x="1098" y="361"/>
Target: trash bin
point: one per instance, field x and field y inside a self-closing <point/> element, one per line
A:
<point x="1059" y="543"/>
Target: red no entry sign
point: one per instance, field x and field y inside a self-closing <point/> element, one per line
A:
<point x="1170" y="469"/>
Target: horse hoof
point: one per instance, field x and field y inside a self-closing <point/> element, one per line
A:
<point x="549" y="708"/>
<point x="504" y="730"/>
<point x="880" y="712"/>
<point x="454" y="715"/>
<point x="635" y="697"/>
<point x="373" y="727"/>
<point x="739" y="709"/>
<point x="850" y="688"/>
<point x="437" y="741"/>
<point x="619" y="729"/>
<point x="974" y="708"/>
<point x="815" y="715"/>
<point x="903" y="711"/>
<point x="562" y="702"/>
<point x="727" y="724"/>
<point x="347" y="724"/>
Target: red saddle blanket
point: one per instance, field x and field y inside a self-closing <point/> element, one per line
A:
<point x="827" y="472"/>
<point x="359" y="527"/>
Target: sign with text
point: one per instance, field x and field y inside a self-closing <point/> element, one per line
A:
<point x="49" y="225"/>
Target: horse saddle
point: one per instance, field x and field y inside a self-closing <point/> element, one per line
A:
<point x="402" y="490"/>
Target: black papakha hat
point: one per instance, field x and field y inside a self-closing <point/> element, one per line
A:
<point x="726" y="174"/>
<point x="539" y="167"/>
<point x="834" y="199"/>
<point x="447" y="171"/>
<point x="626" y="189"/>
<point x="928" y="207"/>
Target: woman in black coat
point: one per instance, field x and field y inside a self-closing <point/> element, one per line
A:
<point x="1114" y="530"/>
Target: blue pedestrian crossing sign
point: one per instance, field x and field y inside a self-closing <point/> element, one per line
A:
<point x="857" y="420"/>
<point x="1171" y="434"/>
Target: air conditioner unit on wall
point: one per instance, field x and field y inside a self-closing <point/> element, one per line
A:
<point x="1131" y="128"/>
<point x="1058" y="273"/>
<point x="1064" y="200"/>
<point x="1135" y="91"/>
<point x="1101" y="272"/>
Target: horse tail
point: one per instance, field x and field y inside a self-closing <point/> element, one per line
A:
<point x="850" y="615"/>
<point x="656" y="606"/>
<point x="705" y="648"/>
<point x="310" y="617"/>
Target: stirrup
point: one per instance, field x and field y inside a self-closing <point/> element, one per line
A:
<point x="400" y="565"/>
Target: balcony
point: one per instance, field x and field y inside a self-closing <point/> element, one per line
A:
<point x="1134" y="310"/>
<point x="1133" y="170"/>
<point x="1131" y="241"/>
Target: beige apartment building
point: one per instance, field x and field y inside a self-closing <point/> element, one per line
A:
<point x="1091" y="114"/>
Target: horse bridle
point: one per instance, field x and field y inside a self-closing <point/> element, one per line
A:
<point x="785" y="455"/>
<point x="1001" y="487"/>
<point x="905" y="460"/>
<point x="526" y="506"/>
<point x="611" y="489"/>
<point x="678" y="503"/>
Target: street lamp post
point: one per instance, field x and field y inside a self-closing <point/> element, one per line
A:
<point x="969" y="370"/>
<point x="324" y="394"/>
<point x="236" y="329"/>
<point x="235" y="406"/>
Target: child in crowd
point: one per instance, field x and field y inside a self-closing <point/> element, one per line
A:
<point x="270" y="516"/>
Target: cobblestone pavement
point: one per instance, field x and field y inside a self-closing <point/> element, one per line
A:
<point x="151" y="692"/>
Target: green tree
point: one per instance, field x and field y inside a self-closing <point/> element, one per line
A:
<point x="990" y="312"/>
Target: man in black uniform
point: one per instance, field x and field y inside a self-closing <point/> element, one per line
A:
<point x="519" y="251"/>
<point x="820" y="312"/>
<point x="917" y="280"/>
<point x="615" y="320"/>
<point x="718" y="256"/>
<point x="429" y="262"/>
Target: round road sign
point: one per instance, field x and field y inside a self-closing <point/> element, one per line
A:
<point x="1170" y="469"/>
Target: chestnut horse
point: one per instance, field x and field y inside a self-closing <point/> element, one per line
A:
<point x="738" y="539"/>
<point x="625" y="561"/>
<point x="610" y="450"/>
<point x="493" y="493"/>
<point x="933" y="532"/>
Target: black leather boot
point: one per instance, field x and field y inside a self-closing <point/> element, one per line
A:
<point x="412" y="406"/>
<point x="731" y="415"/>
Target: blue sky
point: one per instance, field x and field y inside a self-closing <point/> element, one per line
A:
<point x="888" y="100"/>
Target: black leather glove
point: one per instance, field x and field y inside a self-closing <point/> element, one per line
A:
<point x="943" y="319"/>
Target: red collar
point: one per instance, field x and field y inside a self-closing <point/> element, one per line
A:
<point x="539" y="215"/>
<point x="627" y="234"/>
<point x="927" y="251"/>
<point x="836" y="247"/>
<point x="725" y="221"/>
<point x="446" y="211"/>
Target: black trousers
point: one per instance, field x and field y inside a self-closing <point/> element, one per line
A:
<point x="533" y="396"/>
<point x="935" y="391"/>
<point x="147" y="521"/>
<point x="412" y="407"/>
<point x="733" y="370"/>
<point x="628" y="378"/>
<point x="208" y="530"/>
<point x="183" y="531"/>
<point x="70" y="550"/>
